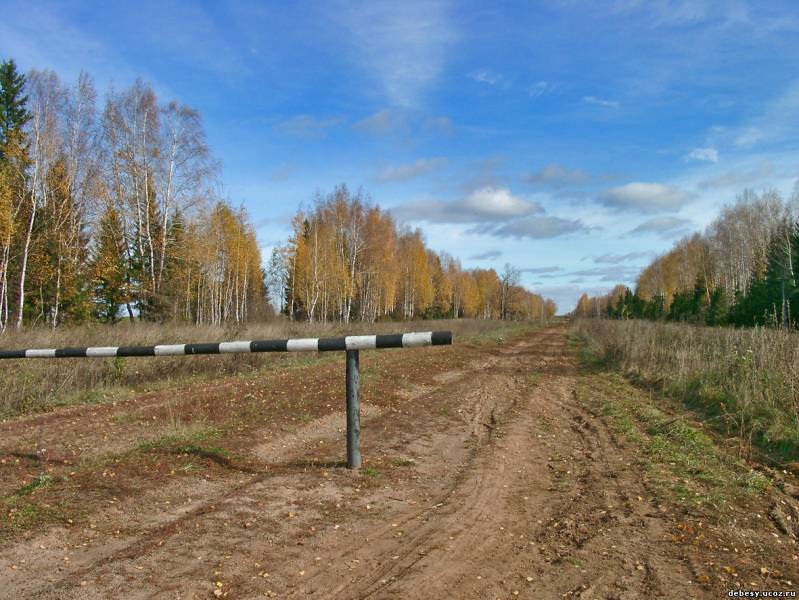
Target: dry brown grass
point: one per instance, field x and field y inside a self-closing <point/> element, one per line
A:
<point x="745" y="381"/>
<point x="35" y="385"/>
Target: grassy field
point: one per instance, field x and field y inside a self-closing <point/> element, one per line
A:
<point x="744" y="382"/>
<point x="31" y="386"/>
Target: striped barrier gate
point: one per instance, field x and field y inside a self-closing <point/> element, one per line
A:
<point x="350" y="344"/>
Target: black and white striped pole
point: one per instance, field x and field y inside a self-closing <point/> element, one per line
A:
<point x="351" y="344"/>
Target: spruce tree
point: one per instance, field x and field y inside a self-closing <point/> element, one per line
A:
<point x="109" y="270"/>
<point x="718" y="312"/>
<point x="779" y="280"/>
<point x="13" y="113"/>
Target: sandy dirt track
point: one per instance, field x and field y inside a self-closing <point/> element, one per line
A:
<point x="486" y="478"/>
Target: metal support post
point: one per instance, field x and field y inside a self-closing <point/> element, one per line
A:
<point x="353" y="412"/>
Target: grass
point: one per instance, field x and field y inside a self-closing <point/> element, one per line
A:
<point x="371" y="472"/>
<point x="680" y="458"/>
<point x="211" y="452"/>
<point x="742" y="382"/>
<point x="39" y="481"/>
<point x="21" y="512"/>
<point x="178" y="434"/>
<point x="47" y="498"/>
<point x="31" y="386"/>
<point x="574" y="561"/>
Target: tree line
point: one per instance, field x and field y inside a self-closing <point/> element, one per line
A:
<point x="111" y="211"/>
<point x="347" y="259"/>
<point x="740" y="271"/>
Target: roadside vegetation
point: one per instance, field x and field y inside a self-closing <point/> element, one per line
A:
<point x="679" y="457"/>
<point x="31" y="386"/>
<point x="742" y="382"/>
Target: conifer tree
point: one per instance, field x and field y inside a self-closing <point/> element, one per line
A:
<point x="108" y="267"/>
<point x="13" y="111"/>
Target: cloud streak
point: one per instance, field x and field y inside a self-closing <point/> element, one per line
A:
<point x="603" y="102"/>
<point x="614" y="273"/>
<point x="541" y="270"/>
<point x="737" y="178"/>
<point x="614" y="259"/>
<point x="489" y="78"/>
<point x="554" y="175"/>
<point x="307" y="127"/>
<point x="776" y="121"/>
<point x="645" y="198"/>
<point x="487" y="255"/>
<point x="537" y="228"/>
<point x="410" y="171"/>
<point x="540" y="88"/>
<point x="664" y="227"/>
<point x="403" y="46"/>
<point x="703" y="154"/>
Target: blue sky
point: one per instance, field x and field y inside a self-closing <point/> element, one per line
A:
<point x="573" y="139"/>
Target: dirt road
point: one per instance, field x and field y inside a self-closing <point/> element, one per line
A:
<point x="486" y="477"/>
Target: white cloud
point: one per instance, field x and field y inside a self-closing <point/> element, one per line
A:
<point x="703" y="154"/>
<point x="489" y="78"/>
<point x="776" y="122"/>
<point x="409" y="171"/>
<point x="749" y="136"/>
<point x="499" y="202"/>
<point x="401" y="45"/>
<point x="540" y="88"/>
<point x="484" y="205"/>
<point x="600" y="102"/>
<point x="645" y="197"/>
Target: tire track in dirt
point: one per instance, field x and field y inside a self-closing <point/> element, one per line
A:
<point x="500" y="523"/>
<point x="514" y="490"/>
<point x="143" y="532"/>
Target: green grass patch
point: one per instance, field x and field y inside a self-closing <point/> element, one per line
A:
<point x="180" y="436"/>
<point x="39" y="481"/>
<point x="371" y="472"/>
<point x="574" y="561"/>
<point x="213" y="452"/>
<point x="680" y="458"/>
